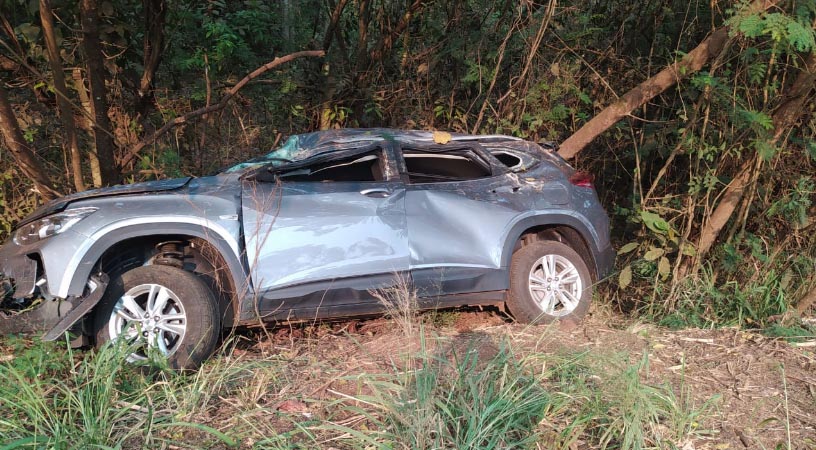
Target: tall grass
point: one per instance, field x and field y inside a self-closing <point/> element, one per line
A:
<point x="97" y="400"/>
<point x="474" y="391"/>
<point x="441" y="397"/>
<point x="455" y="401"/>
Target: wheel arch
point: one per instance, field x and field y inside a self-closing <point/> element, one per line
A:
<point x="559" y="227"/>
<point x="211" y="244"/>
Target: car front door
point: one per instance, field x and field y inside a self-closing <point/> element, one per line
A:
<point x="321" y="236"/>
<point x="458" y="212"/>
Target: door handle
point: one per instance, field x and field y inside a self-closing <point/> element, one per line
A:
<point x="376" y="192"/>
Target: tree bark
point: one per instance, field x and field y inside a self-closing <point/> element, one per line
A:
<point x="334" y="20"/>
<point x="363" y="19"/>
<point x="94" y="61"/>
<point x="25" y="158"/>
<point x="389" y="38"/>
<point x="86" y="123"/>
<point x="654" y="86"/>
<point x="645" y="91"/>
<point x="155" y="12"/>
<point x="784" y="118"/>
<point x="64" y="111"/>
<point x="218" y="106"/>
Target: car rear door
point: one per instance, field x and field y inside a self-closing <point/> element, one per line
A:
<point x="458" y="206"/>
<point x="323" y="234"/>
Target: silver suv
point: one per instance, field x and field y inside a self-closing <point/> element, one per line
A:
<point x="310" y="230"/>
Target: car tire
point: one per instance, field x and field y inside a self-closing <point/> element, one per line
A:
<point x="537" y="295"/>
<point x="183" y="326"/>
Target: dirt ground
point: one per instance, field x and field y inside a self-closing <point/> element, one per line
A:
<point x="762" y="390"/>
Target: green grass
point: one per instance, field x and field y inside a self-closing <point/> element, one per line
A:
<point x="454" y="401"/>
<point x="444" y="392"/>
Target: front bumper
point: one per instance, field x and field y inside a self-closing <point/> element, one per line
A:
<point x="18" y="270"/>
<point x="25" y="305"/>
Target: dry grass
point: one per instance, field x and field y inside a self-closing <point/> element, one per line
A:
<point x="359" y="384"/>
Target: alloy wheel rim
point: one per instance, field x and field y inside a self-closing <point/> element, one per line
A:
<point x="150" y="317"/>
<point x="555" y="285"/>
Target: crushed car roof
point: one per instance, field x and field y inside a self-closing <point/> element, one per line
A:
<point x="303" y="146"/>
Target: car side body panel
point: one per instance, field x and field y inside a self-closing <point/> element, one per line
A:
<point x="205" y="208"/>
<point x="306" y="239"/>
<point x="455" y="233"/>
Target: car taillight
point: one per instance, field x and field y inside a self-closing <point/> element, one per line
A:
<point x="583" y="179"/>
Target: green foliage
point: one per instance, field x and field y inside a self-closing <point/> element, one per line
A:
<point x="36" y="359"/>
<point x="610" y="401"/>
<point x="795" y="34"/>
<point x="791" y="333"/>
<point x="461" y="402"/>
<point x="794" y="206"/>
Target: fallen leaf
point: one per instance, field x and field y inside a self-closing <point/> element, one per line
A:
<point x="628" y="248"/>
<point x="653" y="254"/>
<point x="293" y="406"/>
<point x="625" y="277"/>
<point x="664" y="267"/>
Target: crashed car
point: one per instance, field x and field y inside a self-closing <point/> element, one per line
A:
<point x="314" y="229"/>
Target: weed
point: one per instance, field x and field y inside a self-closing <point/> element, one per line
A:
<point x="610" y="403"/>
<point x="455" y="401"/>
<point x="790" y="333"/>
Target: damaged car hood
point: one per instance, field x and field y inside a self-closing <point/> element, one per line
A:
<point x="59" y="204"/>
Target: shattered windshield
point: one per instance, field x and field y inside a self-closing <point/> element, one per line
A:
<point x="287" y="153"/>
<point x="304" y="146"/>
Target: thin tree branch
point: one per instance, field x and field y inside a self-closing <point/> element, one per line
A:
<point x="218" y="106"/>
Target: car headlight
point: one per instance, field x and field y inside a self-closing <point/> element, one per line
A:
<point x="51" y="225"/>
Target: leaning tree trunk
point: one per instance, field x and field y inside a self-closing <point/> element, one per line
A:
<point x="66" y="115"/>
<point x="784" y="118"/>
<point x="654" y="86"/>
<point x="98" y="92"/>
<point x="25" y="158"/>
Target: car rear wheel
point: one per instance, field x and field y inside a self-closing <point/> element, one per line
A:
<point x="162" y="311"/>
<point x="548" y="281"/>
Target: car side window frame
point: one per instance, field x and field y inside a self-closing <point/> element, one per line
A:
<point x="495" y="167"/>
<point x="270" y="173"/>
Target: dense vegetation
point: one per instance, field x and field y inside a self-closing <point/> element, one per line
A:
<point x="702" y="140"/>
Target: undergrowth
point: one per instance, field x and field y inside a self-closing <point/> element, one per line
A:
<point x="434" y="393"/>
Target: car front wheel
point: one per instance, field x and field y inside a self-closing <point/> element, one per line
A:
<point x="548" y="281"/>
<point x="162" y="311"/>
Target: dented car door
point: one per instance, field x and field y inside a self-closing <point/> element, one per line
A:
<point x="323" y="235"/>
<point x="458" y="206"/>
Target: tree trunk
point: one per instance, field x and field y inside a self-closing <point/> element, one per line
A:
<point x="363" y="19"/>
<point x="784" y="118"/>
<point x="654" y="86"/>
<point x="644" y="92"/>
<point x="86" y="123"/>
<point x="66" y="115"/>
<point x="334" y="20"/>
<point x="394" y="33"/>
<point x="103" y="138"/>
<point x="806" y="302"/>
<point x="155" y="12"/>
<point x="25" y="158"/>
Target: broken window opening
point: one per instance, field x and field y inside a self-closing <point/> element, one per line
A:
<point x="436" y="167"/>
<point x="510" y="160"/>
<point x="358" y="168"/>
